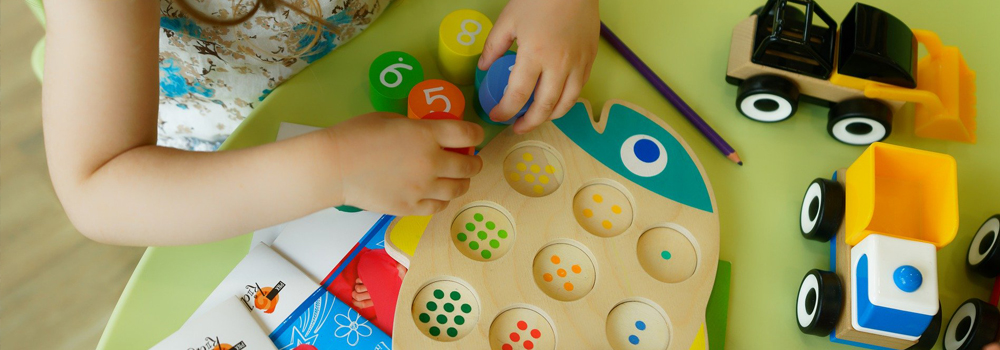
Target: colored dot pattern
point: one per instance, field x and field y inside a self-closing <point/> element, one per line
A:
<point x="635" y="325"/>
<point x="482" y="233"/>
<point x="602" y="210"/>
<point x="448" y="311"/>
<point x="521" y="329"/>
<point x="533" y="171"/>
<point x="519" y="341"/>
<point x="564" y="272"/>
<point x="666" y="254"/>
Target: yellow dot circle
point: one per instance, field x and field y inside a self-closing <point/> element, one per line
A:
<point x="529" y="178"/>
<point x="606" y="224"/>
<point x="588" y="213"/>
<point x="514" y="176"/>
<point x="535" y="168"/>
<point x="598" y="198"/>
<point x="550" y="169"/>
<point x="543" y="179"/>
<point x="521" y="167"/>
<point x="616" y="209"/>
<point x="538" y="189"/>
<point x="527" y="157"/>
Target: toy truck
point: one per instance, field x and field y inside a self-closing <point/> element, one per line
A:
<point x="865" y="71"/>
<point x="885" y="217"/>
<point x="977" y="322"/>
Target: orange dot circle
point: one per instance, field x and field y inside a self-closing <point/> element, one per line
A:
<point x="598" y="198"/>
<point x="588" y="213"/>
<point x="616" y="209"/>
<point x="547" y="277"/>
<point x="576" y="269"/>
<point x="561" y="272"/>
<point x="606" y="224"/>
<point x="568" y="286"/>
<point x="555" y="259"/>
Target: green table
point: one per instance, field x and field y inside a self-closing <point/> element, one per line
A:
<point x="687" y="43"/>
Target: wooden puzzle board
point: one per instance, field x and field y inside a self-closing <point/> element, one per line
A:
<point x="548" y="246"/>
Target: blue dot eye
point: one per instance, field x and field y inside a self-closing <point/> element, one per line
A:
<point x="643" y="155"/>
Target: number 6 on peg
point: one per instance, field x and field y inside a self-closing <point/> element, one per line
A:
<point x="435" y="95"/>
<point x="390" y="78"/>
<point x="460" y="42"/>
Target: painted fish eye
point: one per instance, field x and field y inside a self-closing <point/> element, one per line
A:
<point x="643" y="155"/>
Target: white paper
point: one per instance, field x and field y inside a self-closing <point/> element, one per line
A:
<point x="316" y="243"/>
<point x="229" y="322"/>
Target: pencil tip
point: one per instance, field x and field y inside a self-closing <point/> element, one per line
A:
<point x="740" y="163"/>
<point x="735" y="158"/>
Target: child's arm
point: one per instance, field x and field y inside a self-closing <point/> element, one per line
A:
<point x="100" y="114"/>
<point x="557" y="44"/>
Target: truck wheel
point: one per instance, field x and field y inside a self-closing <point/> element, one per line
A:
<point x="818" y="304"/>
<point x="973" y="325"/>
<point x="930" y="335"/>
<point x="984" y="251"/>
<point x="860" y="121"/>
<point x="767" y="98"/>
<point x="822" y="210"/>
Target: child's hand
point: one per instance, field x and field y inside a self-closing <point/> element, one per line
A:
<point x="394" y="165"/>
<point x="557" y="43"/>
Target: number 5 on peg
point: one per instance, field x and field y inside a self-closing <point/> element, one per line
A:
<point x="435" y="95"/>
<point x="460" y="42"/>
<point x="390" y="78"/>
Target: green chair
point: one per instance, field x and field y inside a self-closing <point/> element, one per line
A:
<point x="38" y="53"/>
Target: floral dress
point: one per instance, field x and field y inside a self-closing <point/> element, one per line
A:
<point x="211" y="77"/>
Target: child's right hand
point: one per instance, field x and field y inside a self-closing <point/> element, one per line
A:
<point x="394" y="165"/>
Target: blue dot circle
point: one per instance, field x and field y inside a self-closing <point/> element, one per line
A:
<point x="633" y="339"/>
<point x="646" y="150"/>
<point x="907" y="278"/>
<point x="640" y="325"/>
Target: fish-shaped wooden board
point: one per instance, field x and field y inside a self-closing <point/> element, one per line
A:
<point x="582" y="234"/>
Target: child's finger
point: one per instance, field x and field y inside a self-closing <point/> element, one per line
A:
<point x="448" y="189"/>
<point x="363" y="304"/>
<point x="570" y="94"/>
<point x="360" y="296"/>
<point x="522" y="81"/>
<point x="360" y="288"/>
<point x="497" y="43"/>
<point x="456" y="133"/>
<point x="547" y="95"/>
<point x="429" y="206"/>
<point x="452" y="165"/>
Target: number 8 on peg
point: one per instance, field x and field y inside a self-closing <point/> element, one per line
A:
<point x="460" y="42"/>
<point x="390" y="78"/>
<point x="435" y="95"/>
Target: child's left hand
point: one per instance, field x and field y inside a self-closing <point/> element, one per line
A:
<point x="557" y="43"/>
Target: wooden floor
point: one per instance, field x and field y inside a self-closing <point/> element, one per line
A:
<point x="57" y="288"/>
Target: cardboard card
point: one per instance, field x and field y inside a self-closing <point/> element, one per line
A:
<point x="316" y="243"/>
<point x="266" y="284"/>
<point x="227" y="325"/>
<point x="328" y="323"/>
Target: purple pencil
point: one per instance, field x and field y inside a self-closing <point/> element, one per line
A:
<point x="670" y="95"/>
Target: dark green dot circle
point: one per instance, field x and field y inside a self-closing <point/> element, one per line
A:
<point x="470" y="226"/>
<point x="448" y="307"/>
<point x="459" y="320"/>
<point x="438" y="294"/>
<point x="452" y="332"/>
<point x="462" y="237"/>
<point x="425" y="318"/>
<point x="431" y="306"/>
<point x="456" y="295"/>
<point x="442" y="319"/>
<point x="466" y="308"/>
<point x="490" y="225"/>
<point x="474" y="245"/>
<point x="502" y="234"/>
<point x="494" y="243"/>
<point x="478" y="217"/>
<point x="486" y="254"/>
<point x="434" y="331"/>
<point x="482" y="235"/>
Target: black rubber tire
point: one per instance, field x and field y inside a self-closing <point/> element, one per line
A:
<point x="822" y="210"/>
<point x="984" y="250"/>
<point x="767" y="98"/>
<point x="859" y="121"/>
<point x="818" y="311"/>
<point x="973" y="325"/>
<point x="930" y="335"/>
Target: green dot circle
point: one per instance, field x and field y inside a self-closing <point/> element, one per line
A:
<point x="490" y="225"/>
<point x="482" y="235"/>
<point x="425" y="318"/>
<point x="470" y="226"/>
<point x="474" y="245"/>
<point x="438" y="294"/>
<point x="486" y="254"/>
<point x="448" y="307"/>
<point x="462" y="237"/>
<point x="459" y="320"/>
<point x="434" y="331"/>
<point x="452" y="332"/>
<point x="494" y="243"/>
<point x="442" y="319"/>
<point x="466" y="308"/>
<point x="478" y="217"/>
<point x="431" y="306"/>
<point x="455" y="296"/>
<point x="502" y="233"/>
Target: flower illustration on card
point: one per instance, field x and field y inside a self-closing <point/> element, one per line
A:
<point x="351" y="326"/>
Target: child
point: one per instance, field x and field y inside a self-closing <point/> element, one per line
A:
<point x="105" y="133"/>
